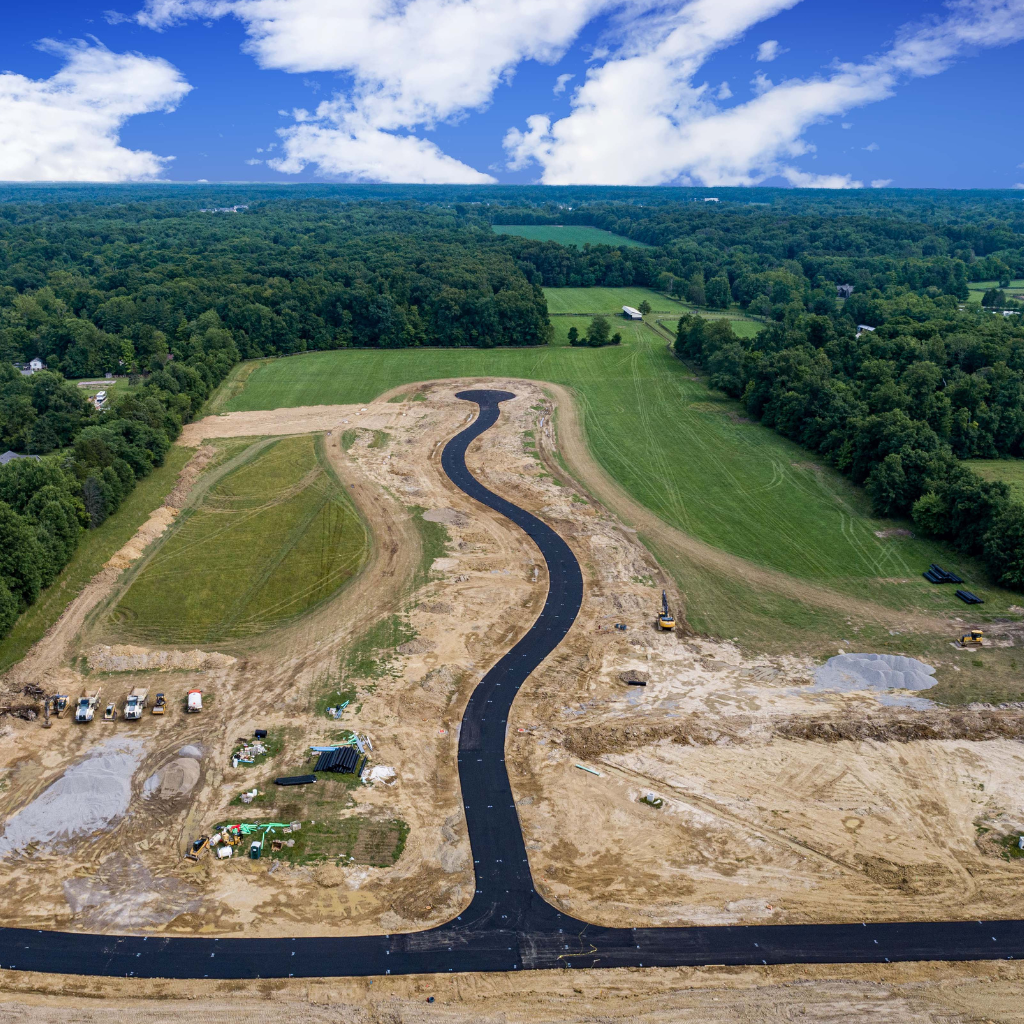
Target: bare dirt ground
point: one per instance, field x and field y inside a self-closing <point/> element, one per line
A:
<point x="932" y="993"/>
<point x="726" y="792"/>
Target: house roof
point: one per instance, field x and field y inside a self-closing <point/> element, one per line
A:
<point x="10" y="456"/>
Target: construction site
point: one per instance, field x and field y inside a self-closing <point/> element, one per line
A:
<point x="302" y="780"/>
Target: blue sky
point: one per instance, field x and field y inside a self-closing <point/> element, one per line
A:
<point x="804" y="92"/>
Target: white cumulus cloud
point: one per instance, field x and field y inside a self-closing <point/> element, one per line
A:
<point x="646" y="93"/>
<point x="413" y="65"/>
<point x="66" y="128"/>
<point x="769" y="50"/>
<point x="881" y="182"/>
<point x="409" y="65"/>
<point x="561" y="82"/>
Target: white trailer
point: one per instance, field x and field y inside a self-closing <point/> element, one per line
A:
<point x="136" y="703"/>
<point x="194" y="701"/>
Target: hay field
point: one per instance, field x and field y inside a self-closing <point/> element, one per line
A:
<point x="566" y="234"/>
<point x="271" y="538"/>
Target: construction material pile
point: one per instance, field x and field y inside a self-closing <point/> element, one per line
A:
<point x="848" y="672"/>
<point x="936" y="574"/>
<point x="340" y="759"/>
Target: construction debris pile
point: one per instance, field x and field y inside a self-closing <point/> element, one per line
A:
<point x="247" y="754"/>
<point x="226" y="837"/>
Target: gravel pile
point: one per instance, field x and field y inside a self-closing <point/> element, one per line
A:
<point x="879" y="672"/>
<point x="89" y="797"/>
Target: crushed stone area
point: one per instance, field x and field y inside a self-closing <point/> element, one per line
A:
<point x="89" y="796"/>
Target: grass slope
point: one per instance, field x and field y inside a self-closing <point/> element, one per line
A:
<point x="94" y="550"/>
<point x="566" y="234"/>
<point x="274" y="536"/>
<point x="977" y="289"/>
<point x="1010" y="471"/>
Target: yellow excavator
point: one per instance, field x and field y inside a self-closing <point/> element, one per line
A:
<point x="665" y="619"/>
<point x="973" y="639"/>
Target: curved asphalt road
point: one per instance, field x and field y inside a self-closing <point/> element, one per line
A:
<point x="507" y="926"/>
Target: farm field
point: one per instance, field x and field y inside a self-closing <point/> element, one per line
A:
<point x="691" y="456"/>
<point x="1010" y="471"/>
<point x="568" y="234"/>
<point x="272" y="537"/>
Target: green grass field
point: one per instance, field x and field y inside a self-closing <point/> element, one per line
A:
<point x="978" y="289"/>
<point x="685" y="452"/>
<point x="95" y="548"/>
<point x="1010" y="471"/>
<point x="567" y="234"/>
<point x="608" y="300"/>
<point x="272" y="536"/>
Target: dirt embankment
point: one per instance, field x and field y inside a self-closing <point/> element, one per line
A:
<point x="883" y="726"/>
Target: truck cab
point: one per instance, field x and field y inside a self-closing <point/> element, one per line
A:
<point x="134" y="705"/>
<point x="86" y="706"/>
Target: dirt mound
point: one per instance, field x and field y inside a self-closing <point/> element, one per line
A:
<point x="188" y="476"/>
<point x="883" y="727"/>
<point x="632" y="677"/>
<point x="128" y="658"/>
<point x="417" y="646"/>
<point x="445" y="516"/>
<point x="152" y="529"/>
<point x="174" y="780"/>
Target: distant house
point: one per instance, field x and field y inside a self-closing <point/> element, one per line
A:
<point x="632" y="314"/>
<point x="32" y="366"/>
<point x="861" y="328"/>
<point x="844" y="291"/>
<point x="11" y="456"/>
<point x="710" y="199"/>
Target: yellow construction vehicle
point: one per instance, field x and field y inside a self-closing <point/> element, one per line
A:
<point x="197" y="848"/>
<point x="665" y="619"/>
<point x="973" y="639"/>
<point x="160" y="704"/>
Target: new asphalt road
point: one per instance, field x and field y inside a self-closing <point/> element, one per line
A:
<point x="507" y="926"/>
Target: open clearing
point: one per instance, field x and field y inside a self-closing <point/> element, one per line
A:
<point x="607" y="300"/>
<point x="693" y="458"/>
<point x="977" y="289"/>
<point x="566" y="234"/>
<point x="1009" y="471"/>
<point x="274" y="536"/>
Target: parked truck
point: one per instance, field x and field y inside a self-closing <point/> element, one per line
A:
<point x="87" y="705"/>
<point x="136" y="702"/>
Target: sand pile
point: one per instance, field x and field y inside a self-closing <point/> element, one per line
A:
<point x="89" y="796"/>
<point x="152" y="529"/>
<point x="879" y="672"/>
<point x="128" y="658"/>
<point x="176" y="779"/>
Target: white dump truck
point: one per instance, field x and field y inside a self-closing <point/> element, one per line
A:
<point x="136" y="703"/>
<point x="87" y="705"/>
<point x="194" y="701"/>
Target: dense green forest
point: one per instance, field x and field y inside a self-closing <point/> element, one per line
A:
<point x="142" y="281"/>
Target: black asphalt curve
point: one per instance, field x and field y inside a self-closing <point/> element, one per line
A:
<point x="507" y="926"/>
